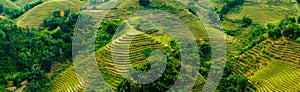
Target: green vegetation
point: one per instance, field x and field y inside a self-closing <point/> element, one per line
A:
<point x="162" y="84"/>
<point x="234" y="83"/>
<point x="21" y="50"/>
<point x="44" y="10"/>
<point x="16" y="12"/>
<point x="288" y="27"/>
<point x="144" y="2"/>
<point x="36" y="45"/>
<point x="69" y="80"/>
<point x="246" y="21"/>
<point x="39" y="48"/>
<point x="8" y="3"/>
<point x="106" y="32"/>
<point x="277" y="76"/>
<point x="229" y="4"/>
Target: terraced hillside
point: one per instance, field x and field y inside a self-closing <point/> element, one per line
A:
<point x="137" y="42"/>
<point x="8" y="3"/>
<point x="68" y="81"/>
<point x="272" y="65"/>
<point x="277" y="76"/>
<point x="252" y="60"/>
<point x="116" y="54"/>
<point x="35" y="16"/>
<point x="261" y="12"/>
<point x="270" y="11"/>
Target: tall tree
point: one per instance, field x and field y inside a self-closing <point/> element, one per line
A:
<point x="275" y="33"/>
<point x="144" y="2"/>
<point x="67" y="12"/>
<point x="246" y="21"/>
<point x="1" y="8"/>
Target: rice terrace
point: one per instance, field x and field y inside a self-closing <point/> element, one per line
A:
<point x="149" y="45"/>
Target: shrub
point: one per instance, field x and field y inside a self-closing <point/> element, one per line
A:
<point x="265" y="63"/>
<point x="258" y="31"/>
<point x="228" y="6"/>
<point x="298" y="39"/>
<point x="144" y="2"/>
<point x="147" y="52"/>
<point x="1" y="8"/>
<point x="234" y="83"/>
<point x="246" y="21"/>
<point x="257" y="61"/>
<point x="288" y="30"/>
<point x="233" y="32"/>
<point x="271" y="26"/>
<point x="277" y="57"/>
<point x="275" y="33"/>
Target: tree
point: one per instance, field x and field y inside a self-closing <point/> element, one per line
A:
<point x="271" y="26"/>
<point x="26" y="7"/>
<point x="234" y="83"/>
<point x="164" y="83"/>
<point x="56" y="13"/>
<point x="1" y="8"/>
<point x="2" y="35"/>
<point x="229" y="5"/>
<point x="67" y="12"/>
<point x="13" y="12"/>
<point x="144" y="2"/>
<point x="292" y="19"/>
<point x="258" y="31"/>
<point x="246" y="21"/>
<point x="288" y="30"/>
<point x="50" y="22"/>
<point x="298" y="39"/>
<point x="275" y="33"/>
<point x="298" y="19"/>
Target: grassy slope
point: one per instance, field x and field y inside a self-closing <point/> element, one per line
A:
<point x="272" y="68"/>
<point x="69" y="80"/>
<point x="35" y="16"/>
<point x="125" y="10"/>
<point x="8" y="3"/>
<point x="276" y="68"/>
<point x="278" y="76"/>
<point x="261" y="13"/>
<point x="22" y="3"/>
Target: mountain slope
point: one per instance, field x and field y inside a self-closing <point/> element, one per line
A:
<point x="8" y="3"/>
<point x="270" y="66"/>
<point x="35" y="16"/>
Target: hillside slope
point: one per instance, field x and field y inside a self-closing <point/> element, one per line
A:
<point x="261" y="13"/>
<point x="271" y="66"/>
<point x="277" y="76"/>
<point x="22" y="3"/>
<point x="8" y="3"/>
<point x="35" y="16"/>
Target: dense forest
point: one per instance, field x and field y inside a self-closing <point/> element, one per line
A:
<point x="27" y="54"/>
